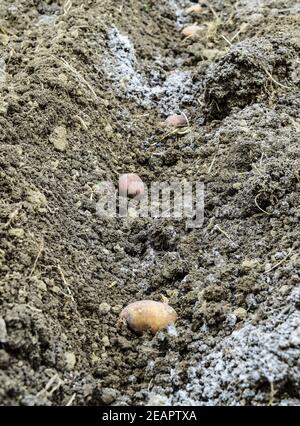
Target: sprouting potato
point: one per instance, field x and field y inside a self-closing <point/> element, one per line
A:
<point x="148" y="315"/>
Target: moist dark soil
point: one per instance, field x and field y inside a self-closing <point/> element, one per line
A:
<point x="84" y="87"/>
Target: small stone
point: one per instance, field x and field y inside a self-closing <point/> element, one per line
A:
<point x="59" y="138"/>
<point x="250" y="264"/>
<point x="63" y="78"/>
<point x="240" y="313"/>
<point x="95" y="359"/>
<point x="16" y="232"/>
<point x="104" y="308"/>
<point x="3" y="331"/>
<point x="117" y="309"/>
<point x="41" y="285"/>
<point x="95" y="346"/>
<point x="244" y="27"/>
<point x="70" y="360"/>
<point x="108" y="396"/>
<point x="284" y="289"/>
<point x="56" y="289"/>
<point x="237" y="185"/>
<point x="172" y="293"/>
<point x="105" y="341"/>
<point x="54" y="165"/>
<point x="268" y="267"/>
<point x="4" y="39"/>
<point x="108" y="129"/>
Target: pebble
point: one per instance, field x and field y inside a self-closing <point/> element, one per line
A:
<point x="105" y="341"/>
<point x="56" y="289"/>
<point x="104" y="308"/>
<point x="240" y="313"/>
<point x="237" y="185"/>
<point x="108" y="395"/>
<point x="116" y="309"/>
<point x="70" y="360"/>
<point x="95" y="359"/>
<point x="41" y="285"/>
<point x="16" y="232"/>
<point x="250" y="264"/>
<point x="59" y="138"/>
<point x="284" y="289"/>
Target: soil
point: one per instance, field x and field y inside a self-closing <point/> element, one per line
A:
<point x="84" y="87"/>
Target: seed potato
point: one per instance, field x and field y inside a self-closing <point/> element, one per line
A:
<point x="176" y="120"/>
<point x="131" y="185"/>
<point x="148" y="315"/>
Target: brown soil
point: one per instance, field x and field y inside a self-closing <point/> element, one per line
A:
<point x="66" y="125"/>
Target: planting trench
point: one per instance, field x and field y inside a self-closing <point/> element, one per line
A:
<point x="84" y="88"/>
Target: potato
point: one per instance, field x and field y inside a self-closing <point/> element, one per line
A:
<point x="196" y="9"/>
<point x="148" y="315"/>
<point x="176" y="120"/>
<point x="131" y="185"/>
<point x="191" y="31"/>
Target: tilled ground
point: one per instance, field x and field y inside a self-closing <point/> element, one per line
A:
<point x="84" y="87"/>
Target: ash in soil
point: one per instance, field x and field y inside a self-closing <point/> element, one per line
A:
<point x="82" y="87"/>
<point x="169" y="95"/>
